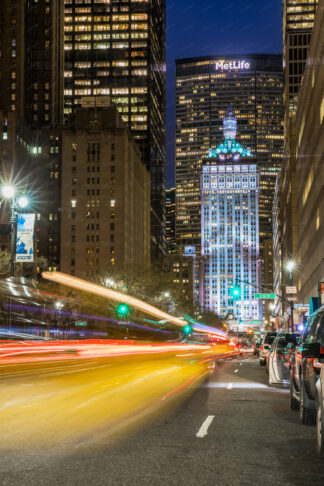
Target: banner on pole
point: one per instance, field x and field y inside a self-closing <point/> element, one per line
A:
<point x="25" y="238"/>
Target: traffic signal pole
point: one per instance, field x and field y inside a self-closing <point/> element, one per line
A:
<point x="290" y="302"/>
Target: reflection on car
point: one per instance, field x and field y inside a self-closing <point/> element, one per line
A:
<point x="279" y="357"/>
<point x="265" y="346"/>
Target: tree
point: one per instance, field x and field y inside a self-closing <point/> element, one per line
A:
<point x="212" y="319"/>
<point x="25" y="269"/>
<point x="152" y="284"/>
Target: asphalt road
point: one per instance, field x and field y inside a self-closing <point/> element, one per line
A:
<point x="247" y="435"/>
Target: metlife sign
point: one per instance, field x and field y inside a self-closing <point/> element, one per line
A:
<point x="232" y="66"/>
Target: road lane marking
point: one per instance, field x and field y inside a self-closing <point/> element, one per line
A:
<point x="241" y="364"/>
<point x="204" y="428"/>
<point x="230" y="386"/>
<point x="235" y="371"/>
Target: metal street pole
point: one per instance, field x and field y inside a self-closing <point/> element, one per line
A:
<point x="279" y="297"/>
<point x="13" y="221"/>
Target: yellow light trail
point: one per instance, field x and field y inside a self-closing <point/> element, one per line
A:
<point x="83" y="285"/>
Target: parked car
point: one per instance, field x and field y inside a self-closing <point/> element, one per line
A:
<point x="320" y="406"/>
<point x="265" y="346"/>
<point x="279" y="357"/>
<point x="257" y="344"/>
<point x="305" y="368"/>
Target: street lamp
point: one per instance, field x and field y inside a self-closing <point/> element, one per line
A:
<point x="8" y="192"/>
<point x="166" y="294"/>
<point x="290" y="265"/>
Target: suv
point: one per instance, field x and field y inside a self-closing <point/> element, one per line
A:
<point x="265" y="346"/>
<point x="305" y="368"/>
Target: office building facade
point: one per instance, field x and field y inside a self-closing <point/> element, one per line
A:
<point x="309" y="272"/>
<point x="298" y="22"/>
<point x="230" y="228"/>
<point x="105" y="220"/>
<point x="118" y="49"/>
<point x="31" y="91"/>
<point x="205" y="87"/>
<point x="170" y="220"/>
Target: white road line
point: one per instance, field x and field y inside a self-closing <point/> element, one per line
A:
<point x="230" y="386"/>
<point x="204" y="428"/>
<point x="241" y="364"/>
<point x="235" y="371"/>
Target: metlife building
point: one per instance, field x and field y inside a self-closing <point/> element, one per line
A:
<point x="206" y="87"/>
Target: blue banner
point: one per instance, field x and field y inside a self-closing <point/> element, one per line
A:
<point x="25" y="238"/>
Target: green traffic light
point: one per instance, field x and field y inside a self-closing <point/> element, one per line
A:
<point x="187" y="329"/>
<point x="236" y="292"/>
<point x="122" y="310"/>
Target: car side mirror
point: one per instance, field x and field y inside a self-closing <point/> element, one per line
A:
<point x="312" y="350"/>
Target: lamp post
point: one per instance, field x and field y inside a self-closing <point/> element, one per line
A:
<point x="290" y="265"/>
<point x="9" y="193"/>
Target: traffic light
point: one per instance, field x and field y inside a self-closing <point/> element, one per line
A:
<point x="187" y="329"/>
<point x="122" y="310"/>
<point x="236" y="292"/>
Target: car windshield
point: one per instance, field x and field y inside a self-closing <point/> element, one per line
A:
<point x="269" y="339"/>
<point x="282" y="343"/>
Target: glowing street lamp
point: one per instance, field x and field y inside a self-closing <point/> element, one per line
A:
<point x="290" y="265"/>
<point x="23" y="202"/>
<point x="8" y="191"/>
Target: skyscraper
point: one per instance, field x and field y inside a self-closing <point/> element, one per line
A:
<point x="118" y="49"/>
<point x="230" y="228"/>
<point x="205" y="87"/>
<point x="105" y="195"/>
<point x="170" y="219"/>
<point x="298" y="21"/>
<point x="31" y="88"/>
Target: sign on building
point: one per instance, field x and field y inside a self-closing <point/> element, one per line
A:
<point x="264" y="296"/>
<point x="25" y="238"/>
<point x="292" y="289"/>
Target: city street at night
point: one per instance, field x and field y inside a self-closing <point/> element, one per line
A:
<point x="234" y="429"/>
<point x="161" y="243"/>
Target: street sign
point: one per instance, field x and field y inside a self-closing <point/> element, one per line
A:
<point x="78" y="323"/>
<point x="292" y="289"/>
<point x="293" y="299"/>
<point x="321" y="292"/>
<point x="264" y="296"/>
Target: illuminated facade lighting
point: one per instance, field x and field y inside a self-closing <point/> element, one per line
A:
<point x="230" y="228"/>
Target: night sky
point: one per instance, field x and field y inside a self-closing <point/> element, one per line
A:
<point x="207" y="27"/>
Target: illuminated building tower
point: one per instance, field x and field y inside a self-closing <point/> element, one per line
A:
<point x="298" y="21"/>
<point x="205" y="87"/>
<point x="118" y="49"/>
<point x="230" y="228"/>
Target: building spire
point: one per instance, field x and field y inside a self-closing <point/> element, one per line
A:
<point x="230" y="124"/>
<point x="229" y="148"/>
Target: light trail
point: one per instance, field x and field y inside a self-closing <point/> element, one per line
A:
<point x="85" y="286"/>
<point x="21" y="352"/>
